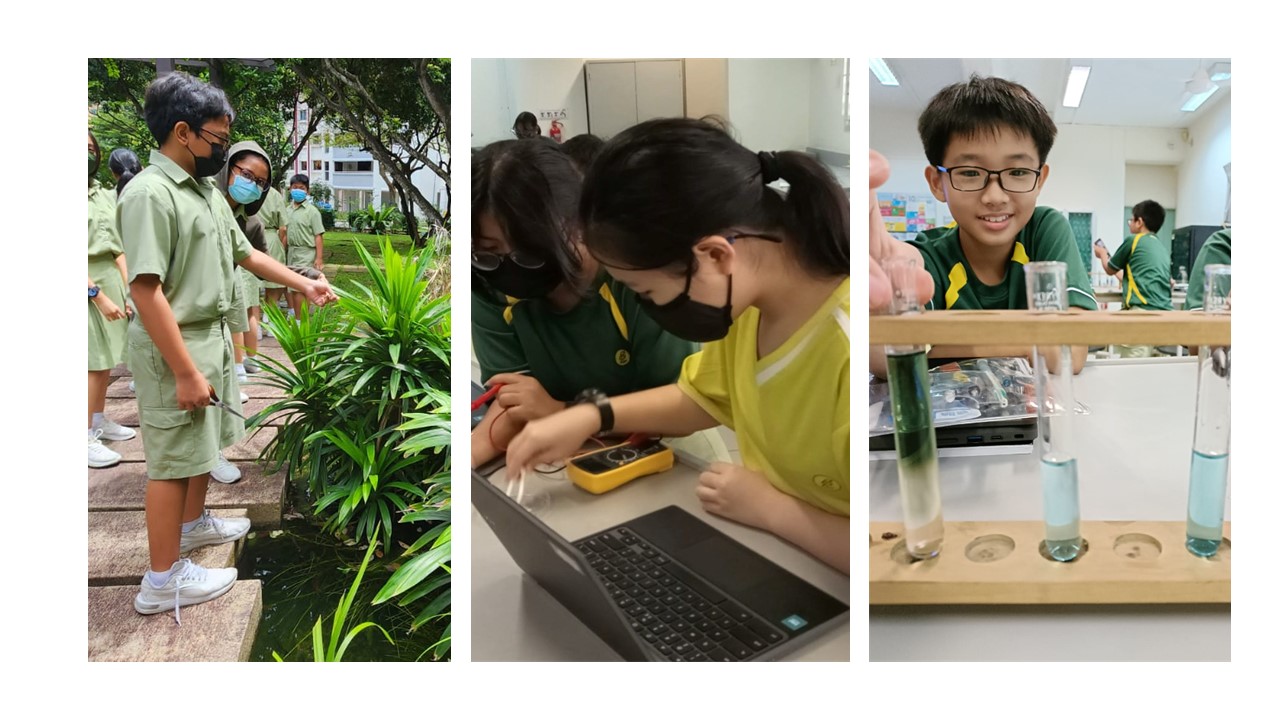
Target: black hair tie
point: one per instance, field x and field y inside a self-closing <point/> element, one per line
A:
<point x="768" y="166"/>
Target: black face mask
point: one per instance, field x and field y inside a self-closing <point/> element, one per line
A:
<point x="520" y="282"/>
<point x="212" y="165"/>
<point x="689" y="319"/>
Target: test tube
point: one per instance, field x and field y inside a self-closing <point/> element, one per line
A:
<point x="1210" y="449"/>
<point x="1055" y="415"/>
<point x="916" y="445"/>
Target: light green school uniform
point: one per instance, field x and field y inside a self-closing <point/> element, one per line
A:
<point x="272" y="216"/>
<point x="303" y="223"/>
<point x="106" y="337"/>
<point x="181" y="230"/>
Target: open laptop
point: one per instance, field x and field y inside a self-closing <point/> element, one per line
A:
<point x="664" y="586"/>
<point x="997" y="432"/>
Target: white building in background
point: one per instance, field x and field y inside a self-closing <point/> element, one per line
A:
<point x="352" y="172"/>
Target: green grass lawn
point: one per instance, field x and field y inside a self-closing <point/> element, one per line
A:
<point x="339" y="246"/>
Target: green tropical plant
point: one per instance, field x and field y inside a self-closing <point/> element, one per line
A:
<point x="379" y="221"/>
<point x="336" y="646"/>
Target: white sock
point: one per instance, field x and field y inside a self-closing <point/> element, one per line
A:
<point x="240" y="368"/>
<point x="158" y="579"/>
<point x="97" y="420"/>
<point x="189" y="526"/>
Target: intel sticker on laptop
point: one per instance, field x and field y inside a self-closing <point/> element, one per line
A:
<point x="794" y="622"/>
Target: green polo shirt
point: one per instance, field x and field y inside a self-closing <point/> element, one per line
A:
<point x="1145" y="262"/>
<point x="606" y="342"/>
<point x="181" y="230"/>
<point x="1046" y="237"/>
<point x="303" y="223"/>
<point x="272" y="211"/>
<point x="1215" y="251"/>
<point x="104" y="239"/>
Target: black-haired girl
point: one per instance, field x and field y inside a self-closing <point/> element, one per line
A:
<point x="547" y="321"/>
<point x="687" y="218"/>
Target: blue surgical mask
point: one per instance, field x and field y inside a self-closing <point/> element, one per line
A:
<point x="297" y="195"/>
<point x="243" y="190"/>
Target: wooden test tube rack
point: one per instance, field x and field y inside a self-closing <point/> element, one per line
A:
<point x="1000" y="563"/>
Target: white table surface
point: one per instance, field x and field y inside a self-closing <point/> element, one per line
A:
<point x="1135" y="456"/>
<point x="513" y="618"/>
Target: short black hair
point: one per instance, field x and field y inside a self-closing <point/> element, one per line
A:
<point x="1151" y="213"/>
<point x="982" y="106"/>
<point x="657" y="188"/>
<point x="178" y="97"/>
<point x="300" y="178"/>
<point x="582" y="149"/>
<point x="531" y="189"/>
<point x="526" y="125"/>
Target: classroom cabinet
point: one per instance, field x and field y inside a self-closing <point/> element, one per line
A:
<point x="623" y="93"/>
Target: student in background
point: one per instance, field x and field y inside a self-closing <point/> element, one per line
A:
<point x="123" y="165"/>
<point x="183" y="245"/>
<point x="685" y="216"/>
<point x="1215" y="251"/>
<point x="271" y="215"/>
<point x="108" y="314"/>
<point x="304" y="229"/>
<point x="547" y="321"/>
<point x="987" y="142"/>
<point x="526" y="126"/>
<point x="1144" y="260"/>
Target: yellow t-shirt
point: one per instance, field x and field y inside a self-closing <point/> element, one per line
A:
<point x="790" y="409"/>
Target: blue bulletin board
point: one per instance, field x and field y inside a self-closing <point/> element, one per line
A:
<point x="906" y="214"/>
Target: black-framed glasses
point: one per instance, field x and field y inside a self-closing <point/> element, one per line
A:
<point x="970" y="178"/>
<point x="223" y="140"/>
<point x="262" y="184"/>
<point x="482" y="260"/>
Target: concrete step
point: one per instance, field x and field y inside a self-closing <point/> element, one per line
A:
<point x="249" y="447"/>
<point x="118" y="553"/>
<point x="221" y="630"/>
<point x="124" y="410"/>
<point x="260" y="495"/>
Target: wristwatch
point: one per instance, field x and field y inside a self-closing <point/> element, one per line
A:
<point x="601" y="401"/>
<point x="93" y="291"/>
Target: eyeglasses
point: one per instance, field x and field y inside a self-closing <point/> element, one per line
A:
<point x="262" y="184"/>
<point x="969" y="178"/>
<point x="482" y="260"/>
<point x="221" y="139"/>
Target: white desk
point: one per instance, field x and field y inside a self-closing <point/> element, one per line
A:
<point x="515" y="619"/>
<point x="1135" y="456"/>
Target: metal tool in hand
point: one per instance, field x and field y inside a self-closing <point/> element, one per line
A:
<point x="213" y="400"/>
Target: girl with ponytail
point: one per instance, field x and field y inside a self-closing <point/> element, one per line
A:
<point x="693" y="222"/>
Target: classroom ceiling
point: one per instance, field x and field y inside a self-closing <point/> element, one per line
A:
<point x="1120" y="92"/>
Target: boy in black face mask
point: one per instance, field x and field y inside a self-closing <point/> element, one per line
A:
<point x="183" y="244"/>
<point x="547" y="321"/>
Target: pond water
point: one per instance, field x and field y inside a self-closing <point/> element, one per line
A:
<point x="304" y="573"/>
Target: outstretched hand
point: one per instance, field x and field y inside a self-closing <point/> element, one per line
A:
<point x="883" y="247"/>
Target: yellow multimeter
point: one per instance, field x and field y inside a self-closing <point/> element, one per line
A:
<point x="603" y="470"/>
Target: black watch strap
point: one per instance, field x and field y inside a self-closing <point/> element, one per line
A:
<point x="601" y="401"/>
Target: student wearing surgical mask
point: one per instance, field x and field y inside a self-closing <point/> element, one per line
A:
<point x="547" y="321"/>
<point x="304" y="232"/>
<point x="686" y="217"/>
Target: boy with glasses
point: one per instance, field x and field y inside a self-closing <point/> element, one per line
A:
<point x="183" y="244"/>
<point x="987" y="141"/>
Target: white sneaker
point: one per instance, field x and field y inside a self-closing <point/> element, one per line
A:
<point x="100" y="456"/>
<point x="188" y="584"/>
<point x="210" y="530"/>
<point x="112" y="430"/>
<point x="265" y="332"/>
<point x="244" y="397"/>
<point x="225" y="472"/>
<point x="132" y="387"/>
<point x="251" y="366"/>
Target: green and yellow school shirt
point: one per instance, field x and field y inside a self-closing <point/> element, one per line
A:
<point x="1215" y="251"/>
<point x="1145" y="262"/>
<point x="1046" y="237"/>
<point x="790" y="408"/>
<point x="605" y="341"/>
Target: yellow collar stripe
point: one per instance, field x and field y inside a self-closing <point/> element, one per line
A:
<point x="1128" y="275"/>
<point x="607" y="294"/>
<point x="957" y="280"/>
<point x="506" y="312"/>
<point x="1020" y="254"/>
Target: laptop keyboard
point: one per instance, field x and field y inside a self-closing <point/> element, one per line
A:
<point x="680" y="615"/>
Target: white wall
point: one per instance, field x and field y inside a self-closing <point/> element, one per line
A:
<point x="1202" y="184"/>
<point x="1151" y="182"/>
<point x="706" y="87"/>
<point x="769" y="103"/>
<point x="502" y="89"/>
<point x="826" y="99"/>
<point x="491" y="115"/>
